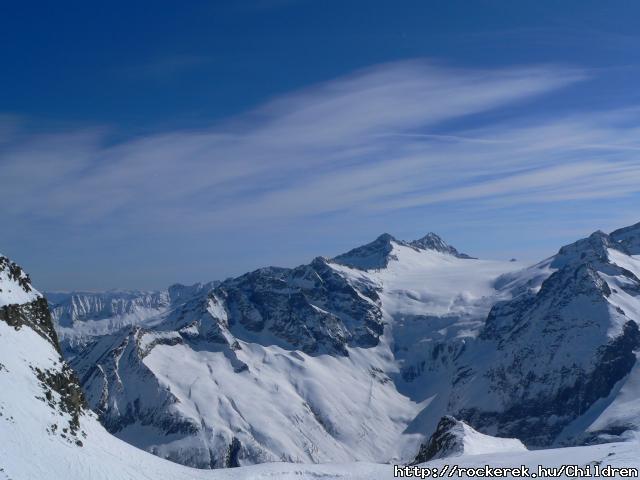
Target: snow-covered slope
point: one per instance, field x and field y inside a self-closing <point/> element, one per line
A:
<point x="31" y="449"/>
<point x="434" y="302"/>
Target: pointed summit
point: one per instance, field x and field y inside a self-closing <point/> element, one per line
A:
<point x="15" y="284"/>
<point x="377" y="254"/>
<point x="590" y="249"/>
<point x="431" y="241"/>
<point x="371" y="256"/>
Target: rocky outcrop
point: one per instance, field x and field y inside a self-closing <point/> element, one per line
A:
<point x="34" y="315"/>
<point x="61" y="389"/>
<point x="453" y="438"/>
<point x="446" y="441"/>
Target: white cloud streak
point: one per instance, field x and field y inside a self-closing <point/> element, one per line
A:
<point x="360" y="144"/>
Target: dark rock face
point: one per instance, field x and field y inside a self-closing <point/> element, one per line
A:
<point x="372" y="256"/>
<point x="71" y="398"/>
<point x="15" y="272"/>
<point x="529" y="418"/>
<point x="231" y="460"/>
<point x="60" y="386"/>
<point x="34" y="315"/>
<point x="442" y="443"/>
<point x="311" y="308"/>
<point x="431" y="241"/>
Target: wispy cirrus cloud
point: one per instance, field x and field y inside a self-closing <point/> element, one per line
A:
<point x="367" y="144"/>
<point x="346" y="134"/>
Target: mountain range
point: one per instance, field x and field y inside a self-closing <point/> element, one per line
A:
<point x="394" y="352"/>
<point x="358" y="357"/>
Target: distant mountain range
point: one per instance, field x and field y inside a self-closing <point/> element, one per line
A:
<point x="357" y="358"/>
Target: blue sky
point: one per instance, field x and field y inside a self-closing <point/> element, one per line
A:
<point x="146" y="143"/>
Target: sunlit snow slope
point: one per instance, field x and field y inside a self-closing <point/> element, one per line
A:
<point x="29" y="450"/>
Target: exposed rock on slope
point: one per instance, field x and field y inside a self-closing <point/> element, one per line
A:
<point x="311" y="308"/>
<point x="22" y="307"/>
<point x="454" y="438"/>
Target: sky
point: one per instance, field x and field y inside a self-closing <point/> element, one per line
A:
<point x="148" y="143"/>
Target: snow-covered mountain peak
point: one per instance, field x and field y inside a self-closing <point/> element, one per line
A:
<point x="592" y="249"/>
<point x="432" y="241"/>
<point x="15" y="284"/>
<point x="454" y="438"/>
<point x="629" y="237"/>
<point x="372" y="256"/>
<point x="376" y="255"/>
<point x="595" y="247"/>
